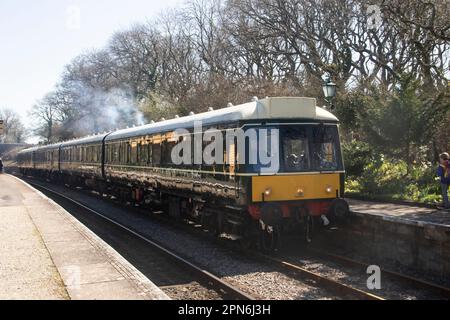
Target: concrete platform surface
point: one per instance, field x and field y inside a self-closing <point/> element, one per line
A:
<point x="46" y="254"/>
<point x="402" y="213"/>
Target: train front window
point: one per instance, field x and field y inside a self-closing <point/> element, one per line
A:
<point x="296" y="149"/>
<point x="308" y="148"/>
<point x="324" y="146"/>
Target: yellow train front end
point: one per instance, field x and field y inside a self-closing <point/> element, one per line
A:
<point x="316" y="195"/>
<point x="296" y="187"/>
<point x="307" y="187"/>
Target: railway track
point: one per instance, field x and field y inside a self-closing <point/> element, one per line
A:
<point x="294" y="269"/>
<point x="225" y="290"/>
<point x="419" y="283"/>
<point x="300" y="271"/>
<point x="336" y="286"/>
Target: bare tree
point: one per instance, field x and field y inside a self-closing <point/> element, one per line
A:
<point x="45" y="113"/>
<point x="14" y="130"/>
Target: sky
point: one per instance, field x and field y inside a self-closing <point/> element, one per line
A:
<point x="39" y="37"/>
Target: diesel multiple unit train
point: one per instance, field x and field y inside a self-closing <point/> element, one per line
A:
<point x="244" y="197"/>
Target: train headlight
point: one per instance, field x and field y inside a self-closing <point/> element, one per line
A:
<point x="268" y="192"/>
<point x="329" y="189"/>
<point x="300" y="192"/>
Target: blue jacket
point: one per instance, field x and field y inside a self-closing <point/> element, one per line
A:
<point x="441" y="174"/>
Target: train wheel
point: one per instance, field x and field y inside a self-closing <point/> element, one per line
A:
<point x="340" y="211"/>
<point x="249" y="235"/>
<point x="210" y="221"/>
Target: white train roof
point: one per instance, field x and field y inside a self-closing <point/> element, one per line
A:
<point x="86" y="140"/>
<point x="279" y="108"/>
<point x="40" y="148"/>
<point x="268" y="109"/>
<point x="95" y="139"/>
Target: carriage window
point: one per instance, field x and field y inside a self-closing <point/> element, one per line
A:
<point x="116" y="153"/>
<point x="296" y="150"/>
<point x="143" y="155"/>
<point x="156" y="154"/>
<point x="138" y="153"/>
<point x="107" y="154"/>
<point x="167" y="147"/>
<point x="149" y="153"/>
<point x="134" y="159"/>
<point x="110" y="153"/>
<point x="128" y="155"/>
<point x="99" y="153"/>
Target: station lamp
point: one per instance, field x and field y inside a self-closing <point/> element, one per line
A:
<point x="329" y="90"/>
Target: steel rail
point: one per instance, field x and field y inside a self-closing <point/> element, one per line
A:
<point x="205" y="275"/>
<point x="332" y="284"/>
<point x="445" y="291"/>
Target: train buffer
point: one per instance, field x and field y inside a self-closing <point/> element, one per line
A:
<point x="46" y="254"/>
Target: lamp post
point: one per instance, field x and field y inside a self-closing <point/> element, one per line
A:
<point x="329" y="90"/>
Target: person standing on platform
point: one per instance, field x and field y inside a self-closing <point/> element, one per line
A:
<point x="443" y="173"/>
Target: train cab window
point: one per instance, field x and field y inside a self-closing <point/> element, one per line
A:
<point x="325" y="145"/>
<point x="296" y="153"/>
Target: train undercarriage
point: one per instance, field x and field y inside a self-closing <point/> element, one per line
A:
<point x="262" y="226"/>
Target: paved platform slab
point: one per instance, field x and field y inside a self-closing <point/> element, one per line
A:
<point x="46" y="254"/>
<point x="402" y="213"/>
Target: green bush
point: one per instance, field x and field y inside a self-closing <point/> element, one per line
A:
<point x="357" y="155"/>
<point x="388" y="179"/>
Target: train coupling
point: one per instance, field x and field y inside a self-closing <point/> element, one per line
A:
<point x="325" y="220"/>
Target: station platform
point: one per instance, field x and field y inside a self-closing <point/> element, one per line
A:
<point x="46" y="254"/>
<point x="408" y="214"/>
